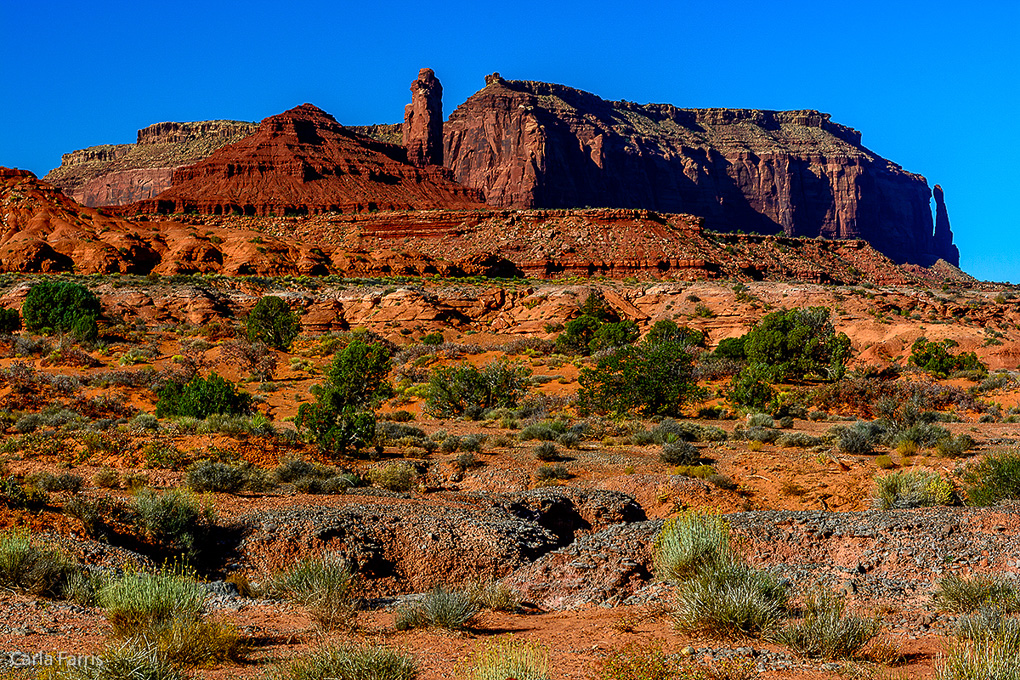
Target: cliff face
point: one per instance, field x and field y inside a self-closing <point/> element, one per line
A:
<point x="529" y="144"/>
<point x="118" y="174"/>
<point x="303" y="162"/>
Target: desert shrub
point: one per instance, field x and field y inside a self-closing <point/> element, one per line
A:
<point x="327" y="586"/>
<point x="989" y="624"/>
<point x="196" y="642"/>
<point x="679" y="453"/>
<point x="62" y="306"/>
<point x="175" y="519"/>
<point x="388" y="432"/>
<point x="690" y="543"/>
<point x="202" y="397"/>
<point x="963" y="594"/>
<point x="578" y="335"/>
<point x="450" y="444"/>
<point x="466" y="461"/>
<point x="752" y="387"/>
<point x="10" y="320"/>
<point x="827" y="630"/>
<point x="646" y="662"/>
<point x="552" y="471"/>
<point x="954" y="447"/>
<point x="547" y="452"/>
<point x="798" y="439"/>
<point x="922" y="434"/>
<point x="570" y="440"/>
<point x="434" y="338"/>
<point x="340" y="420"/>
<point x="439" y="608"/>
<point x="32" y="569"/>
<point x="256" y="357"/>
<point x="797" y="344"/>
<point x="47" y="481"/>
<point x="472" y="443"/>
<point x="732" y="348"/>
<point x="651" y="378"/>
<point x="765" y="435"/>
<point x="272" y="322"/>
<point x="760" y="420"/>
<point x="934" y="357"/>
<point x="730" y="600"/>
<point x="465" y="390"/>
<point x="504" y="658"/>
<point x="665" y="330"/>
<point x="394" y="477"/>
<point x="400" y="416"/>
<point x="913" y="489"/>
<point x="884" y="462"/>
<point x="208" y="475"/>
<point x="106" y="478"/>
<point x="540" y="431"/>
<point x="995" y="478"/>
<point x="163" y="454"/>
<point x="857" y="439"/>
<point x="610" y="335"/>
<point x="94" y="514"/>
<point x="669" y="430"/>
<point x="347" y="662"/>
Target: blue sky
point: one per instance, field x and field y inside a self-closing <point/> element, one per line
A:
<point x="933" y="86"/>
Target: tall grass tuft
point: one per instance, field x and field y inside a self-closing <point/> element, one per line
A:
<point x="691" y="542"/>
<point x="505" y="658"/>
<point x="327" y="586"/>
<point x="913" y="489"/>
<point x="439" y="608"/>
<point x="961" y="594"/>
<point x="347" y="662"/>
<point x="827" y="631"/>
<point x="32" y="569"/>
<point x="731" y="600"/>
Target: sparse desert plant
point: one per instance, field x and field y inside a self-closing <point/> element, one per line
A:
<point x="800" y="440"/>
<point x="995" y="478"/>
<point x="505" y="658"/>
<point x="646" y="662"/>
<point x="547" y="452"/>
<point x="33" y="569"/>
<point x="208" y="475"/>
<point x="493" y="595"/>
<point x="979" y="661"/>
<point x="439" y="608"/>
<point x="731" y="600"/>
<point x="174" y="518"/>
<point x="465" y="390"/>
<point x="679" y="453"/>
<point x="328" y="586"/>
<point x="964" y="594"/>
<point x="827" y="630"/>
<point x="990" y="624"/>
<point x="137" y="603"/>
<point x="119" y="662"/>
<point x="884" y="462"/>
<point x="913" y="489"/>
<point x="47" y="481"/>
<point x="550" y="472"/>
<point x="692" y="542"/>
<point x="347" y="662"/>
<point x="395" y="476"/>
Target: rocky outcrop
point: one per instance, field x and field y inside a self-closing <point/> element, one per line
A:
<point x="119" y="174"/>
<point x="530" y="144"/>
<point x="943" y="234"/>
<point x="302" y="162"/>
<point x="423" y="121"/>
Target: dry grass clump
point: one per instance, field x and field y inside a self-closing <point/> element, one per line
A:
<point x="327" y="586"/>
<point x="439" y="608"/>
<point x="347" y="662"/>
<point x="505" y="658"/>
<point x="827" y="631"/>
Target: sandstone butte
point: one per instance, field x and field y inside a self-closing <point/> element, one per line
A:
<point x="527" y="144"/>
<point x="42" y="230"/>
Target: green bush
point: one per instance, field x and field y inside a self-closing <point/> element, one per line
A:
<point x="798" y="344"/>
<point x="347" y="662"/>
<point x="934" y="357"/>
<point x="611" y="335"/>
<point x="827" y="631"/>
<point x="10" y="320"/>
<point x="62" y="306"/>
<point x="271" y="321"/>
<point x="208" y="475"/>
<point x="578" y="335"/>
<point x="439" y="608"/>
<point x="547" y="452"/>
<point x="752" y="387"/>
<point x="504" y="658"/>
<point x="652" y="378"/>
<point x="679" y="453"/>
<point x="435" y="338"/>
<point x="465" y="390"/>
<point x="175" y="519"/>
<point x="326" y="586"/>
<point x="913" y="489"/>
<point x="690" y="543"/>
<point x="665" y="330"/>
<point x="549" y="472"/>
<point x="341" y="420"/>
<point x="994" y="479"/>
<point x="201" y="398"/>
<point x="732" y="348"/>
<point x="397" y="476"/>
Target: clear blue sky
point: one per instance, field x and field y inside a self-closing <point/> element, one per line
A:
<point x="934" y="86"/>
